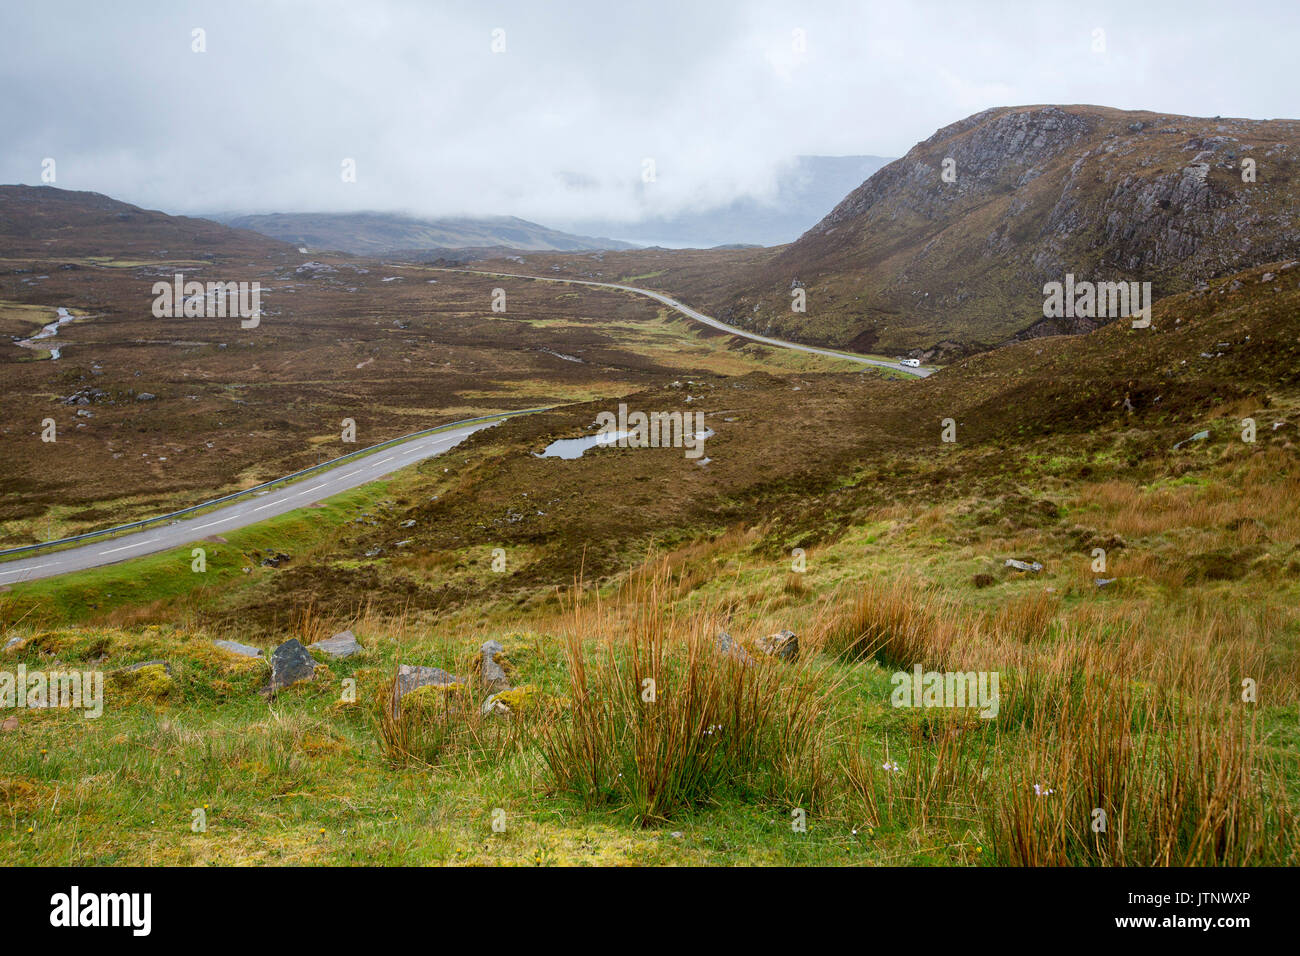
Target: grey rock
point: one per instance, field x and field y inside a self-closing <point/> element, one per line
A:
<point x="290" y="664"/>
<point x="145" y="397"/>
<point x="727" y="645"/>
<point x="783" y="645"/>
<point x="143" y="664"/>
<point x="1102" y="582"/>
<point x="1032" y="566"/>
<point x="413" y="676"/>
<point x="12" y="643"/>
<point x="343" y="644"/>
<point x="491" y="674"/>
<point x="243" y="650"/>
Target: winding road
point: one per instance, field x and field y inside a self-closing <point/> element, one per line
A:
<point x="345" y="476"/>
<point x="686" y="310"/>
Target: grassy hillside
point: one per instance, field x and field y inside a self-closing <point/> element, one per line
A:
<point x="42" y="222"/>
<point x="1124" y="696"/>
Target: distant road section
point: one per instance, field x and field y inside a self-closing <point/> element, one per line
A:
<point x="690" y="313"/>
<point x="276" y="501"/>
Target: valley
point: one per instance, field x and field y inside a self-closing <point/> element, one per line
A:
<point x="1103" y="518"/>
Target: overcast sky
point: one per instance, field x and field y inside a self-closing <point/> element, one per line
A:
<point x="559" y="125"/>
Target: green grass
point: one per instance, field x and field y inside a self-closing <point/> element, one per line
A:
<point x="168" y="575"/>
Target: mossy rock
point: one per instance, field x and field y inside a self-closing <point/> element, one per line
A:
<point x="431" y="698"/>
<point x="151" y="682"/>
<point x="526" y="700"/>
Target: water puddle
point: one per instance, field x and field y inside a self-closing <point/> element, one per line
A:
<point x="574" y="447"/>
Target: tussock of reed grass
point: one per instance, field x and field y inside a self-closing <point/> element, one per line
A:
<point x="663" y="721"/>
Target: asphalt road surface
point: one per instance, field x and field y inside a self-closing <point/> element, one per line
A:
<point x="238" y="514"/>
<point x="690" y="313"/>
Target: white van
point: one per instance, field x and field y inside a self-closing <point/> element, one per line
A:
<point x="911" y="363"/>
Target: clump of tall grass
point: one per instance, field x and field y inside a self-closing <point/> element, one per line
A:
<point x="435" y="724"/>
<point x="663" y="720"/>
<point x="1139" y="779"/>
<point x="889" y="621"/>
<point x="1026" y="617"/>
<point x="934" y="779"/>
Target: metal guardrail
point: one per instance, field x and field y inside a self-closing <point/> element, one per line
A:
<point x="145" y="522"/>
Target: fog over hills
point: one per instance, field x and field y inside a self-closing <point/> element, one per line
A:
<point x="378" y="233"/>
<point x="804" y="192"/>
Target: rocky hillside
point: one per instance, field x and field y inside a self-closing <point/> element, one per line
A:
<point x="915" y="261"/>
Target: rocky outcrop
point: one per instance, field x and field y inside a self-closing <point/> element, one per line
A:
<point x="411" y="677"/>
<point x="783" y="645"/>
<point x="290" y="664"/>
<point x="954" y="242"/>
<point x="343" y="644"/>
<point x="234" y="647"/>
<point x="489" y="668"/>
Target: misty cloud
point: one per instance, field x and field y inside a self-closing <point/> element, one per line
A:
<point x="720" y="95"/>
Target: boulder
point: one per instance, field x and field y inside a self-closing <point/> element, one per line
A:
<point x="290" y="664"/>
<point x="145" y="681"/>
<point x="243" y="650"/>
<point x="167" y="668"/>
<point x="523" y="700"/>
<point x="413" y="676"/>
<point x="491" y="672"/>
<point x="730" y="647"/>
<point x="343" y="644"/>
<point x="12" y="643"/>
<point x="782" y="644"/>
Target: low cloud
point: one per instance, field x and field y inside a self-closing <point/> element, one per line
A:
<point x="562" y="123"/>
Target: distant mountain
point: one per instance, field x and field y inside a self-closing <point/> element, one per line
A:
<point x="804" y="193"/>
<point x="377" y="233"/>
<point x="911" y="260"/>
<point x="47" y="222"/>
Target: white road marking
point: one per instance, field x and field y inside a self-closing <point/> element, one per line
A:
<point x="127" y="547"/>
<point x="34" y="567"/>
